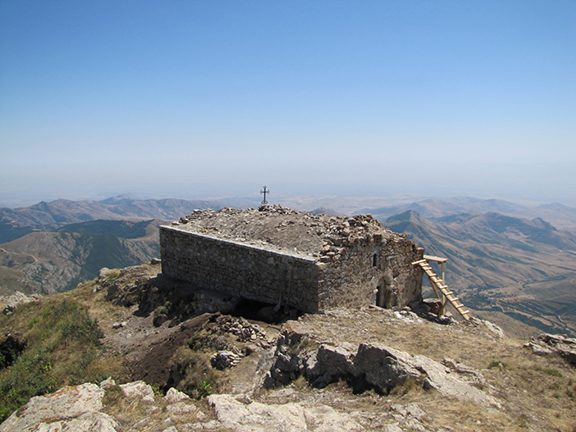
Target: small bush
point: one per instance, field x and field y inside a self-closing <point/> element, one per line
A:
<point x="10" y="350"/>
<point x="300" y="384"/>
<point x="205" y="388"/>
<point x="112" y="276"/>
<point x="33" y="322"/>
<point x="63" y="345"/>
<point x="408" y="386"/>
<point x="496" y="363"/>
<point x="113" y="396"/>
<point x="553" y="372"/>
<point x="29" y="376"/>
<point x="192" y="373"/>
<point x="160" y="316"/>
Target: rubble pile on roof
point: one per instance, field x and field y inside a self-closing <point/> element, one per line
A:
<point x="287" y="229"/>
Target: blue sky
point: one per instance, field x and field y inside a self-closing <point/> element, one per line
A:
<point x="217" y="98"/>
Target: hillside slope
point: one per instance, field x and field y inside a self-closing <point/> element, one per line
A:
<point x="47" y="262"/>
<point x="52" y="246"/>
<point x="342" y="370"/>
<point x="524" y="268"/>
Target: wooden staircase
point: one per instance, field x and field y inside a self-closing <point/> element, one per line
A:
<point x="439" y="286"/>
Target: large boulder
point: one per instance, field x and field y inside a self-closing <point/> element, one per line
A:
<point x="256" y="416"/>
<point x="87" y="422"/>
<point x="64" y="406"/>
<point x="374" y="366"/>
<point x="383" y="367"/>
<point x="329" y="364"/>
<point x="18" y="298"/>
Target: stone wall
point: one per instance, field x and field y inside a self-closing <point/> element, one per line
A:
<point x="345" y="280"/>
<point x="240" y="270"/>
<point x="401" y="282"/>
<point x="355" y="272"/>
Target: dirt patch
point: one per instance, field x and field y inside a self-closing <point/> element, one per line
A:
<point x="152" y="364"/>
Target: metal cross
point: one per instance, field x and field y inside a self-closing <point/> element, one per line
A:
<point x="265" y="191"/>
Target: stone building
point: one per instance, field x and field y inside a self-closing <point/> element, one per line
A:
<point x="290" y="258"/>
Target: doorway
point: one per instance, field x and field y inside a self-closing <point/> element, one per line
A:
<point x="385" y="295"/>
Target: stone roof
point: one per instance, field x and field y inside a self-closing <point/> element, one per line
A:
<point x="278" y="227"/>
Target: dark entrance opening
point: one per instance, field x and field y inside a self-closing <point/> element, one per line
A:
<point x="385" y="296"/>
<point x="261" y="311"/>
<point x="380" y="295"/>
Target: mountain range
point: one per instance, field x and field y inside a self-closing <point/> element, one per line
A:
<point x="514" y="263"/>
<point x="47" y="216"/>
<point x="53" y="246"/>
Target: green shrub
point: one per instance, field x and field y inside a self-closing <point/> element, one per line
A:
<point x="205" y="388"/>
<point x="80" y="327"/>
<point x="113" y="276"/>
<point x="495" y="363"/>
<point x="192" y="373"/>
<point x="63" y="342"/>
<point x="553" y="372"/>
<point x="29" y="376"/>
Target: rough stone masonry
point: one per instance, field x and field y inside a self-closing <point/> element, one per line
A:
<point x="285" y="257"/>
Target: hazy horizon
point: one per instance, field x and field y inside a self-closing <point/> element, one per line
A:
<point x="209" y="99"/>
<point x="301" y="201"/>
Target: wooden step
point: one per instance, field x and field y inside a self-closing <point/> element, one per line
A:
<point x="435" y="258"/>
<point x="438" y="283"/>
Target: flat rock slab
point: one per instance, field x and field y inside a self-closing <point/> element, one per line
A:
<point x="87" y="422"/>
<point x="65" y="404"/>
<point x="289" y="417"/>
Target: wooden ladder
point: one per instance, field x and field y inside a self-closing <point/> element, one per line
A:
<point x="438" y="285"/>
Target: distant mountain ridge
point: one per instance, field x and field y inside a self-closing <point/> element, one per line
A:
<point x="559" y="215"/>
<point x="48" y="216"/>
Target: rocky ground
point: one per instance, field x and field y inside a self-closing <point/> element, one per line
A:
<point x="194" y="369"/>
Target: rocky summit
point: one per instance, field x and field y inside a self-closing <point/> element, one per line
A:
<point x="135" y="351"/>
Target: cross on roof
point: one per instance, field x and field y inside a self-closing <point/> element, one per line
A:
<point x="265" y="191"/>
